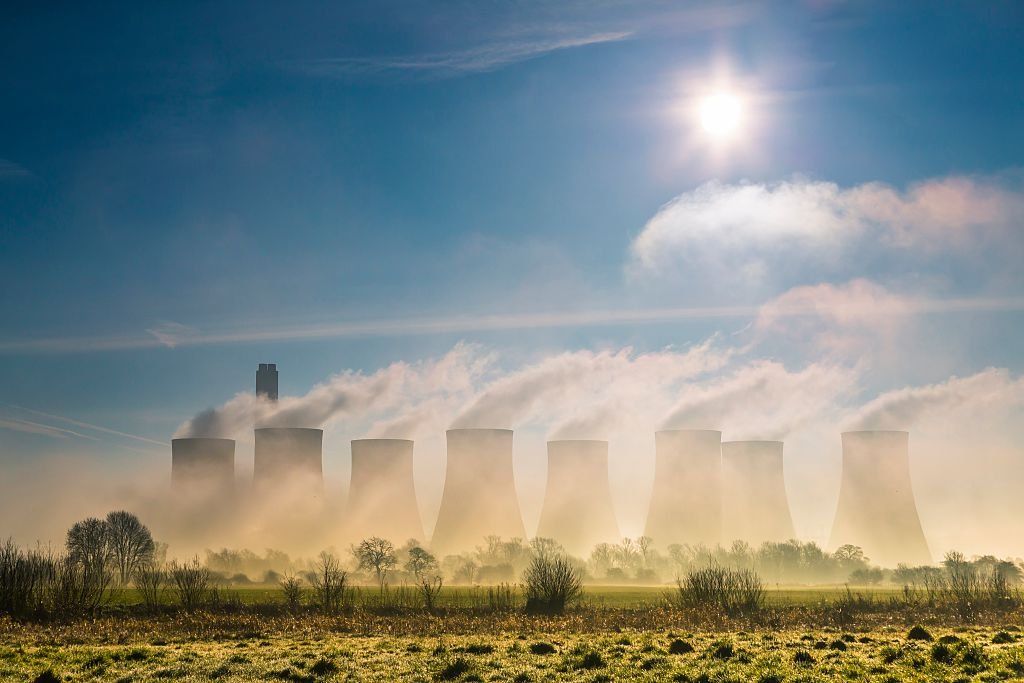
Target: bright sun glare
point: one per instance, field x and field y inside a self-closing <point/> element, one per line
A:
<point x="721" y="114"/>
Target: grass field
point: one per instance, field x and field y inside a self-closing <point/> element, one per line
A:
<point x="619" y="633"/>
<point x="294" y="654"/>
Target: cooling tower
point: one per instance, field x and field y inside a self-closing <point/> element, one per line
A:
<point x="207" y="464"/>
<point x="876" y="508"/>
<point x="686" y="501"/>
<point x="577" y="509"/>
<point x="479" y="496"/>
<point x="754" y="504"/>
<point x="287" y="453"/>
<point x="382" y="496"/>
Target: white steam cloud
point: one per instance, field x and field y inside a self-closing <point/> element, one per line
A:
<point x="991" y="393"/>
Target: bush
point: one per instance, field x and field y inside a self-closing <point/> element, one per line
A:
<point x="330" y="583"/>
<point x="720" y="588"/>
<point x="151" y="581"/>
<point x="191" y="582"/>
<point x="291" y="591"/>
<point x="23" y="578"/>
<point x="552" y="583"/>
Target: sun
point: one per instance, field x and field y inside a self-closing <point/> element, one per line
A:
<point x="721" y="115"/>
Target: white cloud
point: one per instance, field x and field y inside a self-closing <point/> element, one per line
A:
<point x="988" y="394"/>
<point x="846" y="318"/>
<point x="744" y="226"/>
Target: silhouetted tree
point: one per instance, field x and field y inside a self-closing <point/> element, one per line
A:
<point x="377" y="554"/>
<point x="131" y="544"/>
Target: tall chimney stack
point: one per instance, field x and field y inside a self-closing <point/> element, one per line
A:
<point x="266" y="381"/>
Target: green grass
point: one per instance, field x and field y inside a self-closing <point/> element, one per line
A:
<point x="619" y="596"/>
<point x="291" y="654"/>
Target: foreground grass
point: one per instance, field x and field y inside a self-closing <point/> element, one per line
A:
<point x="289" y="652"/>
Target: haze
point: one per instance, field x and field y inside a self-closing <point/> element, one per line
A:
<point x="577" y="223"/>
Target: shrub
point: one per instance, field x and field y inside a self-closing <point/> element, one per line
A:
<point x="291" y="591"/>
<point x="552" y="583"/>
<point x="330" y="583"/>
<point x="151" y="581"/>
<point x="728" y="590"/>
<point x="191" y="582"/>
<point x="23" y="577"/>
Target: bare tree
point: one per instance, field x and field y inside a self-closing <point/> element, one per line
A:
<point x="377" y="554"/>
<point x="131" y="544"/>
<point x="88" y="543"/>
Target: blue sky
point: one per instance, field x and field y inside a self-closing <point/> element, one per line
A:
<point x="177" y="181"/>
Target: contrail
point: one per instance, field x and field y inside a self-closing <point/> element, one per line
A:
<point x="401" y="327"/>
<point x="87" y="425"/>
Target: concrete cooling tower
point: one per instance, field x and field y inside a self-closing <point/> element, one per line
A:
<point x="207" y="464"/>
<point x="577" y="509"/>
<point x="686" y="501"/>
<point x="876" y="508"/>
<point x="479" y="496"/>
<point x="755" y="508"/>
<point x="382" y="496"/>
<point x="287" y="453"/>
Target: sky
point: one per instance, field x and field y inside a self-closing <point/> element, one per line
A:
<point x="450" y="210"/>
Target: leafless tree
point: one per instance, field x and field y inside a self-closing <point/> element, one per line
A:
<point x="377" y="554"/>
<point x="88" y="543"/>
<point x="131" y="544"/>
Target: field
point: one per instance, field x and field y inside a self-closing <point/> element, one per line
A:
<point x="620" y="633"/>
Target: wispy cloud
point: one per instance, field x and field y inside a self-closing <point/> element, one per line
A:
<point x="454" y="63"/>
<point x="87" y="425"/>
<point x="29" y="427"/>
<point x="406" y="327"/>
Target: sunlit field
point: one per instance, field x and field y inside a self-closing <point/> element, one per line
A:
<point x="509" y="648"/>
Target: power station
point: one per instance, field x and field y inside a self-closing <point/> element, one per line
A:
<point x="686" y="500"/>
<point x="705" y="492"/>
<point x="479" y="497"/>
<point x="578" y="511"/>
<point x="876" y="509"/>
<point x="755" y="506"/>
<point x="382" y="494"/>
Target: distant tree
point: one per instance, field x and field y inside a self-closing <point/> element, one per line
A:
<point x="645" y="546"/>
<point x="545" y="547"/>
<point x="377" y="554"/>
<point x="420" y="562"/>
<point x="131" y="544"/>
